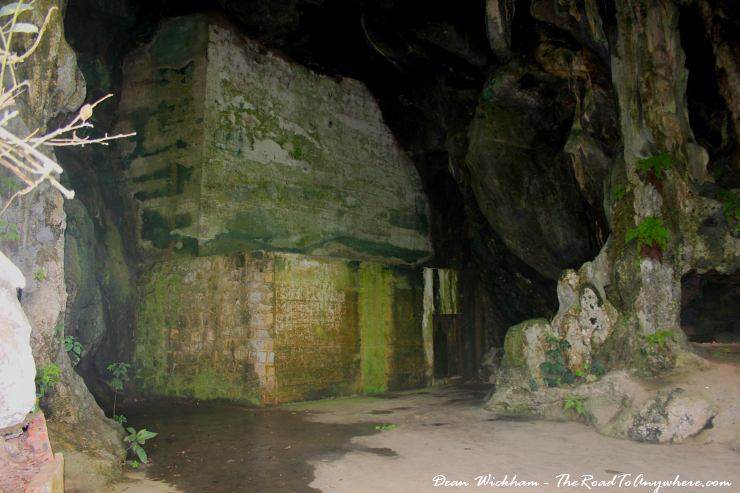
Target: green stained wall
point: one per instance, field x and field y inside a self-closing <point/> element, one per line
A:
<point x="205" y="329"/>
<point x="375" y="320"/>
<point x="347" y="327"/>
<point x="238" y="149"/>
<point x="265" y="328"/>
<point x="317" y="339"/>
<point x="165" y="83"/>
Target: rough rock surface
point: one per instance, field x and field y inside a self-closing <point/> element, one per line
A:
<point x="523" y="177"/>
<point x="17" y="370"/>
<point x="585" y="320"/>
<point x="499" y="14"/>
<point x="56" y="86"/>
<point x="671" y="418"/>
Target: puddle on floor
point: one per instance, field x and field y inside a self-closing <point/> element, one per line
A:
<point x="204" y="448"/>
<point x="380" y="412"/>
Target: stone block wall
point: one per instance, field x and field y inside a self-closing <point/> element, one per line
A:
<point x="205" y="328"/>
<point x="318" y="342"/>
<point x="267" y="328"/>
<point x="238" y="149"/>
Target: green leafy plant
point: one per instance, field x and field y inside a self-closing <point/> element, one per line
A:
<point x="73" y="347"/>
<point x="588" y="370"/>
<point x="619" y="192"/>
<point x="8" y="184"/>
<point x="652" y="237"/>
<point x="8" y="231"/>
<point x="386" y="427"/>
<point x="653" y="167"/>
<point x="120" y="375"/>
<point x="556" y="370"/>
<point x="137" y="439"/>
<point x="46" y="377"/>
<point x="39" y="275"/>
<point x="731" y="206"/>
<point x="120" y="419"/>
<point x="574" y="402"/>
<point x="134" y="464"/>
<point x="658" y="339"/>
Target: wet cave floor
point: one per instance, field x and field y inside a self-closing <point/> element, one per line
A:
<point x="336" y="446"/>
<point x="206" y="448"/>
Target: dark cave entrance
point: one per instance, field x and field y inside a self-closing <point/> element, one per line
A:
<point x="448" y="351"/>
<point x="710" y="307"/>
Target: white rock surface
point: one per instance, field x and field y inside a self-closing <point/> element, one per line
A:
<point x="17" y="369"/>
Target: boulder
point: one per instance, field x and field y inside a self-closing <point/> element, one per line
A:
<point x="523" y="179"/>
<point x="17" y="370"/>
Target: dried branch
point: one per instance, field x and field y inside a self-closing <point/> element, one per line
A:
<point x="22" y="156"/>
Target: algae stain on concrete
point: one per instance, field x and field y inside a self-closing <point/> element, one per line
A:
<point x="375" y="319"/>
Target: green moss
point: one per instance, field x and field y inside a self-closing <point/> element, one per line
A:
<point x="375" y="319"/>
<point x="181" y="39"/>
<point x="515" y="342"/>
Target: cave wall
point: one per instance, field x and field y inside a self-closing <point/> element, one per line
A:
<point x="238" y="149"/>
<point x="264" y="327"/>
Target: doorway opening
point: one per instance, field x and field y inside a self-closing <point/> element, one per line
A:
<point x="448" y="360"/>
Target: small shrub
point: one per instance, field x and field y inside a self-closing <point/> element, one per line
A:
<point x="73" y="348"/>
<point x="137" y="439"/>
<point x="46" y="377"/>
<point x="120" y="375"/>
<point x="652" y="237"/>
<point x="658" y="339"/>
<point x="555" y="368"/>
<point x="8" y="231"/>
<point x="653" y="167"/>
<point x="619" y="192"/>
<point x="574" y="402"/>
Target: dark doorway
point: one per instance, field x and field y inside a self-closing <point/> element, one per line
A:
<point x="448" y="359"/>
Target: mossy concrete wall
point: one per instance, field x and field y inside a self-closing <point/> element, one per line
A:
<point x="162" y="101"/>
<point x="205" y="328"/>
<point x="269" y="328"/>
<point x="238" y="149"/>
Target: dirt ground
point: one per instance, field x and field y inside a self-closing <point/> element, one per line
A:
<point x="432" y="434"/>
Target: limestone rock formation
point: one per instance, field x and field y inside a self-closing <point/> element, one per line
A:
<point x="499" y="14"/>
<point x="523" y="178"/>
<point x="55" y="86"/>
<point x="17" y="370"/>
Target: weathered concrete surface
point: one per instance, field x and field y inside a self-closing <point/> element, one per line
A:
<point x="204" y="327"/>
<point x="239" y="149"/>
<point x="263" y="328"/>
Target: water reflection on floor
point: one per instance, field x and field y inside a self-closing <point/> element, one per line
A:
<point x="206" y="448"/>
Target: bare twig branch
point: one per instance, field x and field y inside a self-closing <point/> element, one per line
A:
<point x="21" y="155"/>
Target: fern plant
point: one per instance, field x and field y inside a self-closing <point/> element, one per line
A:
<point x="652" y="237"/>
<point x="574" y="402"/>
<point x="653" y="167"/>
<point x="555" y="368"/>
<point x="731" y="206"/>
